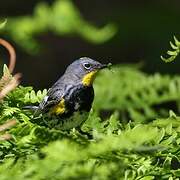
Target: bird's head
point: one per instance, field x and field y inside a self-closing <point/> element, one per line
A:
<point x="85" y="70"/>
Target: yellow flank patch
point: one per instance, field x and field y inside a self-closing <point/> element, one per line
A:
<point x="89" y="78"/>
<point x="59" y="108"/>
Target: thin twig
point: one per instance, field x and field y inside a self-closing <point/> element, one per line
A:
<point x="5" y="137"/>
<point x="12" y="53"/>
<point x="7" y="125"/>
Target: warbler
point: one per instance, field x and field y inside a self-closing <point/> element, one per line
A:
<point x="69" y="100"/>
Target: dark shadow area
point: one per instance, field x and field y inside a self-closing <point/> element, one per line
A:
<point x="144" y="30"/>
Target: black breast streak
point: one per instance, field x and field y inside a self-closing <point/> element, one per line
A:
<point x="79" y="98"/>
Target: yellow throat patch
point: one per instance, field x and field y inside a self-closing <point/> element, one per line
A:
<point x="89" y="78"/>
<point x="59" y="108"/>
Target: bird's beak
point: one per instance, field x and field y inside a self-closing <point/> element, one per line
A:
<point x="102" y="66"/>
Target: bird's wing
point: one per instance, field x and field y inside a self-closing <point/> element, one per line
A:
<point x="53" y="97"/>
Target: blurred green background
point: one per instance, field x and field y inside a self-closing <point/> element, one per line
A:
<point x="48" y="35"/>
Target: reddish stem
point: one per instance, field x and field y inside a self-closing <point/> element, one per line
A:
<point x="12" y="53"/>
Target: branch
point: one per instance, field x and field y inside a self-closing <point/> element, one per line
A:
<point x="5" y="137"/>
<point x="9" y="47"/>
<point x="7" y="125"/>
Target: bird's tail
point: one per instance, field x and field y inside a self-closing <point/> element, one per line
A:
<point x="37" y="111"/>
<point x="33" y="108"/>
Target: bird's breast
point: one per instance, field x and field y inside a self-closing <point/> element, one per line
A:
<point x="80" y="99"/>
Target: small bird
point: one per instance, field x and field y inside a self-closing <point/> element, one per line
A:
<point x="69" y="100"/>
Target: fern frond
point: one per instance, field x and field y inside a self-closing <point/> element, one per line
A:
<point x="136" y="95"/>
<point x="33" y="97"/>
<point x="119" y="148"/>
<point x="9" y="111"/>
<point x="62" y="17"/>
<point x="173" y="53"/>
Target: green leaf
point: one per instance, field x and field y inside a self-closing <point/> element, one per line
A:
<point x="135" y="136"/>
<point x="2" y="24"/>
<point x="173" y="54"/>
<point x="61" y="17"/>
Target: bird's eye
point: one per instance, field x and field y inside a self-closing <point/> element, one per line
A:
<point x="87" y="66"/>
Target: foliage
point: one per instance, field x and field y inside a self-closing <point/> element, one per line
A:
<point x="120" y="148"/>
<point x="136" y="95"/>
<point x="2" y="24"/>
<point x="62" y="18"/>
<point x="174" y="53"/>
